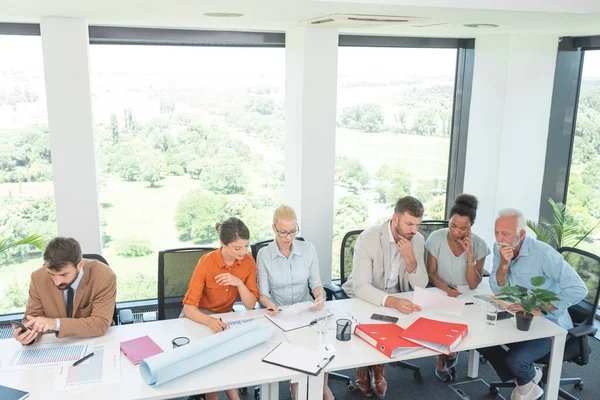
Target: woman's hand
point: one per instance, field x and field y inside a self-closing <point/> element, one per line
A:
<point x="228" y="279"/>
<point x="272" y="308"/>
<point x="318" y="304"/>
<point x="216" y="325"/>
<point x="452" y="291"/>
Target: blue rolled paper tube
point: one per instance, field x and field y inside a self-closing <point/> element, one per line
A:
<point x="169" y="365"/>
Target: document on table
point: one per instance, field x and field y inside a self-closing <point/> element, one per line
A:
<point x="102" y="368"/>
<point x="298" y="358"/>
<point x="19" y="357"/>
<point x="434" y="300"/>
<point x="289" y="321"/>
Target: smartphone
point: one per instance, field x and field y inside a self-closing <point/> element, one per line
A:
<point x="385" y="318"/>
<point x="18" y="324"/>
<point x="504" y="315"/>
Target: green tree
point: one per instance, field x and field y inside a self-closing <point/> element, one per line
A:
<point x="393" y="183"/>
<point x="351" y="173"/>
<point x="22" y="216"/>
<point x="225" y="178"/>
<point x="32" y="145"/>
<point x="426" y="123"/>
<point x="262" y="105"/>
<point x="196" y="215"/>
<point x="113" y="129"/>
<point x="350" y="213"/>
<point x="363" y="117"/>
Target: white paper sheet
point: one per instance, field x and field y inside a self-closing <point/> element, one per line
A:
<point x="298" y="358"/>
<point x="102" y="368"/>
<point x="433" y="300"/>
<point x="290" y="321"/>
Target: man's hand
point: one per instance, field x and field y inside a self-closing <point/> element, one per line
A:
<point x="452" y="291"/>
<point x="228" y="279"/>
<point x="506" y="255"/>
<point x="406" y="306"/>
<point x="24" y="337"/>
<point x="405" y="249"/>
<point x="216" y="325"/>
<point x="516" y="307"/>
<point x="40" y="324"/>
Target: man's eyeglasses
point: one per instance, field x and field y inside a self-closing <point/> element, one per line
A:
<point x="291" y="233"/>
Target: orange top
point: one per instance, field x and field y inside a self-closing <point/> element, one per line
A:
<point x="205" y="292"/>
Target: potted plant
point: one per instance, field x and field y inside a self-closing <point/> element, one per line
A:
<point x="529" y="299"/>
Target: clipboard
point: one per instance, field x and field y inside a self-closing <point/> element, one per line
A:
<point x="298" y="358"/>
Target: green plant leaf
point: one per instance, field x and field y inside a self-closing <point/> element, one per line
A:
<point x="541" y="231"/>
<point x="537" y="280"/>
<point x="33" y="240"/>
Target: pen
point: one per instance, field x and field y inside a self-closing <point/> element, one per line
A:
<point x="272" y="309"/>
<point x="344" y="329"/>
<point x="221" y="319"/>
<point x="76" y="363"/>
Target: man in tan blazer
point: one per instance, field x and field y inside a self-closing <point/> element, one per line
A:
<point x="388" y="259"/>
<point x="69" y="295"/>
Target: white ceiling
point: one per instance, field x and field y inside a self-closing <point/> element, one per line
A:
<point x="444" y="17"/>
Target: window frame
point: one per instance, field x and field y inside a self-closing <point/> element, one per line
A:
<point x="463" y="84"/>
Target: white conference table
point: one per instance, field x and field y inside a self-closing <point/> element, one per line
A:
<point x="247" y="369"/>
<point x="357" y="353"/>
<point x="241" y="370"/>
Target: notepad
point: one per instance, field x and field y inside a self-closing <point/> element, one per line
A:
<point x="7" y="393"/>
<point x="298" y="358"/>
<point x="139" y="349"/>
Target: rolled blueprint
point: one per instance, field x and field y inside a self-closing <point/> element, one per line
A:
<point x="163" y="367"/>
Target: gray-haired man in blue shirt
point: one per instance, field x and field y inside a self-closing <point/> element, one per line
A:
<point x="518" y="258"/>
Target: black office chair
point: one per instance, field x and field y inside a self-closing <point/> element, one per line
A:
<point x="256" y="246"/>
<point x="175" y="269"/>
<point x="577" y="349"/>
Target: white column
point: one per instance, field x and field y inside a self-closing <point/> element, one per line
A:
<point x="310" y="103"/>
<point x="66" y="68"/>
<point x="508" y="124"/>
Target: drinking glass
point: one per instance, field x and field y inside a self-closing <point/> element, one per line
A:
<point x="492" y="313"/>
<point x="321" y="324"/>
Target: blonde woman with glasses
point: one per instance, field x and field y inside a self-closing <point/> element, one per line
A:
<point x="286" y="268"/>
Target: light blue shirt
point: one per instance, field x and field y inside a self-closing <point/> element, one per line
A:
<point x="74" y="285"/>
<point x="286" y="280"/>
<point x="536" y="258"/>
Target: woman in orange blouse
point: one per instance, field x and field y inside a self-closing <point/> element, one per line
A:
<point x="219" y="279"/>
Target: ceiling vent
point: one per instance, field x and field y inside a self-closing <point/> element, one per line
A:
<point x="357" y="20"/>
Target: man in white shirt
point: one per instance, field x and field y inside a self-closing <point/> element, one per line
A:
<point x="388" y="259"/>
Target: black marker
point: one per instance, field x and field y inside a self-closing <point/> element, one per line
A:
<point x="221" y="319"/>
<point x="76" y="363"/>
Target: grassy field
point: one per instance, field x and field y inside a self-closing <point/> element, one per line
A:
<point x="423" y="157"/>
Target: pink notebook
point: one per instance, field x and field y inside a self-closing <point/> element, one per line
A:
<point x="139" y="349"/>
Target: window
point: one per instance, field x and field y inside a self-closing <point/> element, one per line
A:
<point x="583" y="199"/>
<point x="186" y="136"/>
<point x="26" y="188"/>
<point x="394" y="116"/>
